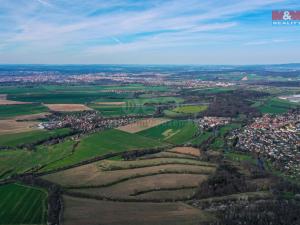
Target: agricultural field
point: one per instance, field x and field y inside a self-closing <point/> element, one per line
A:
<point x="4" y="101"/>
<point x="10" y="111"/>
<point x="67" y="107"/>
<point x="275" y="106"/>
<point x="123" y="110"/>
<point x="190" y="109"/>
<point x="89" y="211"/>
<point x="104" y="142"/>
<point x="108" y="172"/>
<point x="186" y="151"/>
<point x="20" y="161"/>
<point x="16" y="139"/>
<point x="55" y="94"/>
<point x="133" y="188"/>
<point x="141" y="125"/>
<point x="202" y="138"/>
<point x="22" y="205"/>
<point x="174" y="131"/>
<point x="134" y="184"/>
<point x="10" y="126"/>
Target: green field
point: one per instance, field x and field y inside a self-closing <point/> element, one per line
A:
<point x="275" y="106"/>
<point x="190" y="109"/>
<point x="22" y="205"/>
<point x="14" y="140"/>
<point x="66" y="97"/>
<point x="105" y="142"/>
<point x="175" y="131"/>
<point x="8" y="111"/>
<point x="202" y="138"/>
<point x="110" y="111"/>
<point x="20" y="161"/>
<point x="75" y="94"/>
<point x="218" y="142"/>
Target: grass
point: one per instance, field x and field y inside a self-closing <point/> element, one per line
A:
<point x="110" y="111"/>
<point x="14" y="140"/>
<point x="239" y="156"/>
<point x="190" y="109"/>
<point x="202" y="138"/>
<point x="175" y="131"/>
<point x="109" y="165"/>
<point x="218" y="142"/>
<point x="22" y="205"/>
<point x="105" y="142"/>
<point x="275" y="106"/>
<point x="8" y="111"/>
<point x="77" y="94"/>
<point x="66" y="97"/>
<point x="20" y="161"/>
<point x="157" y="100"/>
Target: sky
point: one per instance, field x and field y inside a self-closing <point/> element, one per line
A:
<point x="146" y="32"/>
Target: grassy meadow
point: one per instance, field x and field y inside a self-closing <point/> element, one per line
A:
<point x="174" y="131"/>
<point x="104" y="142"/>
<point x="190" y="109"/>
<point x="275" y="106"/>
<point x="20" y="161"/>
<point x="14" y="140"/>
<point x="9" y="111"/>
<point x="22" y="205"/>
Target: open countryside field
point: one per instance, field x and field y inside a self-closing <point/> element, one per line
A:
<point x="175" y="131"/>
<point x="32" y="117"/>
<point x="141" y="180"/>
<point x="110" y="103"/>
<point x="22" y="205"/>
<point x="67" y="107"/>
<point x="10" y="111"/>
<point x="20" y="161"/>
<point x="190" y="109"/>
<point x="80" y="211"/>
<point x="115" y="111"/>
<point x="186" y="151"/>
<point x="104" y="142"/>
<point x="4" y="101"/>
<point x="142" y="125"/>
<point x="29" y="137"/>
<point x="167" y="154"/>
<point x="10" y="126"/>
<point x="98" y="174"/>
<point x="57" y="94"/>
<point x="130" y="189"/>
<point x="275" y="106"/>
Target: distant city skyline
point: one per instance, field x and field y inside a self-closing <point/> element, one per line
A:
<point x="146" y="32"/>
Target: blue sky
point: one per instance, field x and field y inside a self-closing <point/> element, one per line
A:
<point x="146" y="32"/>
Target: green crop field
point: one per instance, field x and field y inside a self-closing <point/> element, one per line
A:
<point x="29" y="137"/>
<point x="22" y="205"/>
<point x="275" y="106"/>
<point x="75" y="94"/>
<point x="190" y="109"/>
<point x="8" y="111"/>
<point x="66" y="97"/>
<point x="174" y="131"/>
<point x="20" y="161"/>
<point x="202" y="138"/>
<point x="105" y="142"/>
<point x="110" y="111"/>
<point x="157" y="100"/>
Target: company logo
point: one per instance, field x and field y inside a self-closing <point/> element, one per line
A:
<point x="286" y="17"/>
